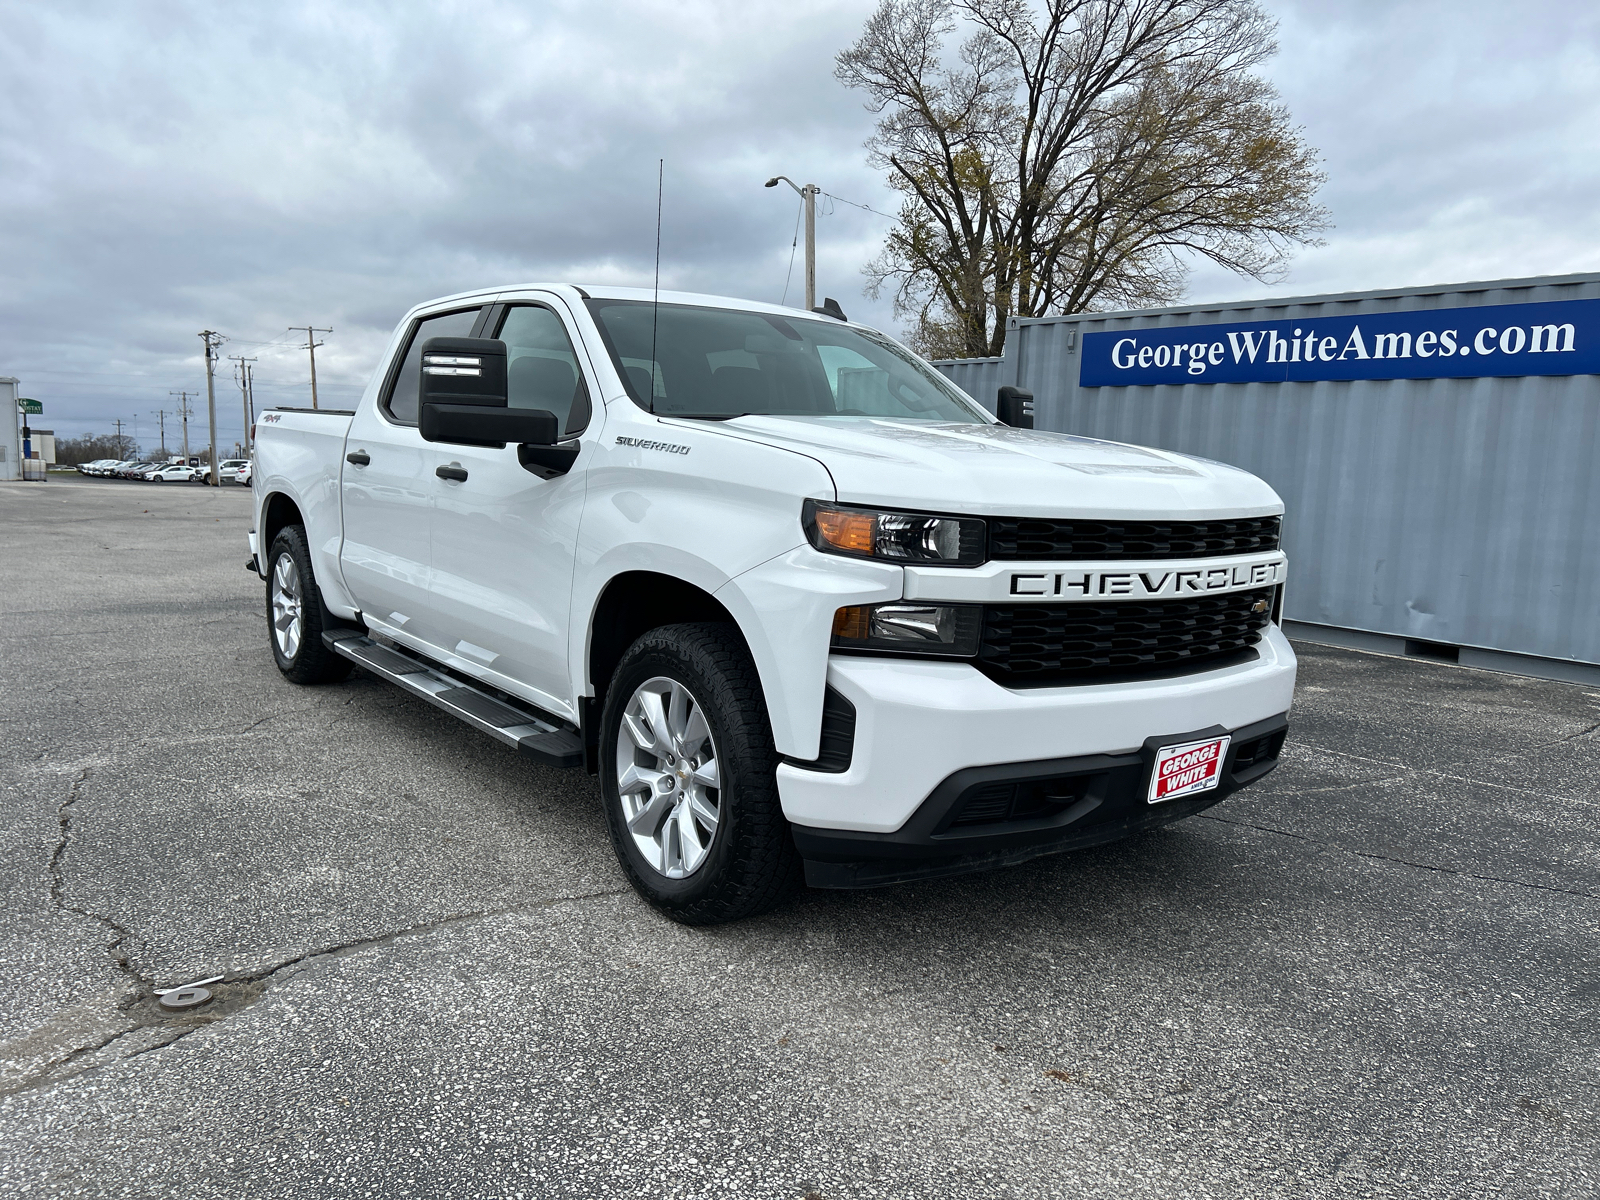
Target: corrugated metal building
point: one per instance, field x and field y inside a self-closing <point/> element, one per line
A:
<point x="10" y="430"/>
<point x="1438" y="449"/>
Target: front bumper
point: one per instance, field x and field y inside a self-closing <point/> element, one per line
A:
<point x="920" y="722"/>
<point x="1054" y="805"/>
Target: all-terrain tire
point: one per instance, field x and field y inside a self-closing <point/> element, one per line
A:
<point x="751" y="864"/>
<point x="297" y="642"/>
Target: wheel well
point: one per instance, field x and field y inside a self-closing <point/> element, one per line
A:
<point x="280" y="511"/>
<point x="635" y="603"/>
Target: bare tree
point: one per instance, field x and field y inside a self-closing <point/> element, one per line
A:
<point x="1073" y="155"/>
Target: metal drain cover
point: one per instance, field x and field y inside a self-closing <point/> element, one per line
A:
<point x="185" y="997"/>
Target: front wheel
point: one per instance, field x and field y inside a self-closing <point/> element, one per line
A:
<point x="294" y="613"/>
<point x="688" y="772"/>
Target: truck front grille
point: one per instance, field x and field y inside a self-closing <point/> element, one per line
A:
<point x="1041" y="539"/>
<point x="1042" y="645"/>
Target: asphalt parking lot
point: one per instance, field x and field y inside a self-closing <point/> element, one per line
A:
<point x="1375" y="974"/>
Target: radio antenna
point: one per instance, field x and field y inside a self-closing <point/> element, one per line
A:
<point x="655" y="303"/>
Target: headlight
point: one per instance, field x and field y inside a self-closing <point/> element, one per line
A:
<point x="894" y="536"/>
<point x="941" y="630"/>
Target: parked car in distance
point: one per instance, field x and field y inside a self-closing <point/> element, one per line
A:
<point x="88" y="468"/>
<point x="135" y="470"/>
<point x="229" y="468"/>
<point x="171" y="473"/>
<point x="243" y="475"/>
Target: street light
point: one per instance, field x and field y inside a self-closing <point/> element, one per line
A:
<point x="808" y="193"/>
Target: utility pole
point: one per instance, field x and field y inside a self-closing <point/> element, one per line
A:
<point x="213" y="342"/>
<point x="121" y="449"/>
<point x="809" y="194"/>
<point x="250" y="398"/>
<point x="184" y="411"/>
<point x="244" y="393"/>
<point x="161" y="417"/>
<point x="311" y="345"/>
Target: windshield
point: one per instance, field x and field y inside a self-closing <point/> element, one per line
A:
<point x="717" y="362"/>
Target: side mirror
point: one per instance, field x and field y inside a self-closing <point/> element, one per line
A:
<point x="1014" y="407"/>
<point x="463" y="397"/>
<point x="458" y="370"/>
<point x="488" y="425"/>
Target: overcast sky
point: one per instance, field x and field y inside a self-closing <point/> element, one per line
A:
<point x="166" y="168"/>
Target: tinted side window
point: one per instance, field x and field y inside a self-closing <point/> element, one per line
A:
<point x="541" y="369"/>
<point x="402" y="403"/>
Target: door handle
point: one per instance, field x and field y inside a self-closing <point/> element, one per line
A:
<point x="359" y="458"/>
<point x="455" y="473"/>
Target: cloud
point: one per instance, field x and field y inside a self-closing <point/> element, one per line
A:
<point x="185" y="167"/>
<point x="1458" y="140"/>
<point x="168" y="168"/>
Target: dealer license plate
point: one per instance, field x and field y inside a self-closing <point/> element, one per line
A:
<point x="1187" y="769"/>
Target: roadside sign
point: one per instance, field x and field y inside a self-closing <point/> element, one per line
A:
<point x="31" y="407"/>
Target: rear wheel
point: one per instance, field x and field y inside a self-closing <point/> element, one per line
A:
<point x="688" y="775"/>
<point x="294" y="613"/>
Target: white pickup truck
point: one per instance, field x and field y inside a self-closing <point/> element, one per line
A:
<point x="806" y="608"/>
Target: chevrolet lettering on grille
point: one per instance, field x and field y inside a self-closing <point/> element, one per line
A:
<point x="1085" y="585"/>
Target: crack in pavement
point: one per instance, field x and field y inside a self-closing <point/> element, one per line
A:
<point x="1438" y="772"/>
<point x="1345" y="787"/>
<point x="346" y="949"/>
<point x="116" y="947"/>
<point x="244" y="991"/>
<point x="1571" y="737"/>
<point x="1404" y="862"/>
<point x="262" y="721"/>
<point x="119" y="938"/>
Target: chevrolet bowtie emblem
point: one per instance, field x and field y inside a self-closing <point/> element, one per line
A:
<point x="1259" y="606"/>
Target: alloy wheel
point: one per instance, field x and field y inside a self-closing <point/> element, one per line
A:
<point x="287" y="605"/>
<point x="668" y="777"/>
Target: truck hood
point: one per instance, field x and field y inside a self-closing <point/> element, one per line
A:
<point x="996" y="470"/>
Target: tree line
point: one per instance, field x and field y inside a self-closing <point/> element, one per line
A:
<point x="92" y="447"/>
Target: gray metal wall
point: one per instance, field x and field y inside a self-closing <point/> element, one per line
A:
<point x="10" y="426"/>
<point x="979" y="378"/>
<point x="1464" y="511"/>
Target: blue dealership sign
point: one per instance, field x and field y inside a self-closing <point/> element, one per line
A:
<point x="1561" y="337"/>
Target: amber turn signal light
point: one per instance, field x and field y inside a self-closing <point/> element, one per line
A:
<point x="849" y="531"/>
<point x="851" y="623"/>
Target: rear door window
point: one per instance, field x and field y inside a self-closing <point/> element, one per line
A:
<point x="402" y="401"/>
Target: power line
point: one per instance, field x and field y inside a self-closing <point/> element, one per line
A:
<point x="278" y="341"/>
<point x="789" y="274"/>
<point x="853" y="204"/>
